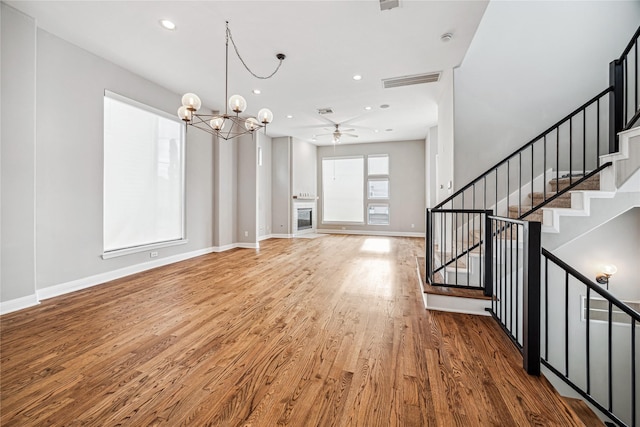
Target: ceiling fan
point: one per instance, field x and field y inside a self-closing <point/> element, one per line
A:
<point x="339" y="133"/>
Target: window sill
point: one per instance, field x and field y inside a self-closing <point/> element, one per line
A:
<point x="128" y="251"/>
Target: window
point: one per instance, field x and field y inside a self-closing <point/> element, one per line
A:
<point x="378" y="164"/>
<point x="378" y="214"/>
<point x="378" y="188"/>
<point x="143" y="176"/>
<point x="342" y="189"/>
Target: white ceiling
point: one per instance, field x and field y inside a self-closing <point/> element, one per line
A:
<point x="326" y="43"/>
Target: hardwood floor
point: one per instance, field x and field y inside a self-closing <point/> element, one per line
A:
<point x="328" y="331"/>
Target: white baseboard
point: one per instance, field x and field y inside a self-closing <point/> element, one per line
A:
<point x="248" y="245"/>
<point x="370" y="233"/>
<point x="281" y="236"/>
<point x="265" y="237"/>
<point x="18" y="304"/>
<point x="87" y="282"/>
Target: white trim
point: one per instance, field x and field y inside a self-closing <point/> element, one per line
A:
<point x="18" y="304"/>
<point x="265" y="237"/>
<point x="136" y="249"/>
<point x="457" y="305"/>
<point x="281" y="236"/>
<point x="87" y="282"/>
<point x="248" y="245"/>
<point x="371" y="232"/>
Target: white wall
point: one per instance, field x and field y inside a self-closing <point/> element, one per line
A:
<point x="529" y="65"/>
<point x="406" y="180"/>
<point x="445" y="163"/>
<point x="17" y="155"/>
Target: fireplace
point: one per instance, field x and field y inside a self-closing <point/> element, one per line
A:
<point x="305" y="218"/>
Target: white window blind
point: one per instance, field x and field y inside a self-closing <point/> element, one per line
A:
<point x="143" y="175"/>
<point x="342" y="189"/>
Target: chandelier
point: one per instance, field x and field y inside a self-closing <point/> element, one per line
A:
<point x="227" y="125"/>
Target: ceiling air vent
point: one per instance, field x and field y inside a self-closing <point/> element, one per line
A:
<point x="410" y="80"/>
<point x="327" y="110"/>
<point x="389" y="4"/>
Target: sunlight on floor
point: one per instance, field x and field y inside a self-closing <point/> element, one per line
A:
<point x="376" y="246"/>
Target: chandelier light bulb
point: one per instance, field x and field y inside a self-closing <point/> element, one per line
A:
<point x="184" y="113"/>
<point x="251" y="124"/>
<point x="237" y="104"/>
<point x="609" y="269"/>
<point x="217" y="123"/>
<point x="265" y="116"/>
<point x="191" y="101"/>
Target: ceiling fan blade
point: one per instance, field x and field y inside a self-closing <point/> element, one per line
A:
<point x="347" y="130"/>
<point x="350" y="134"/>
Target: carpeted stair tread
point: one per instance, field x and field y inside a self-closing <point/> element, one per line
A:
<point x="592" y="183"/>
<point x="563" y="200"/>
<point x="534" y="216"/>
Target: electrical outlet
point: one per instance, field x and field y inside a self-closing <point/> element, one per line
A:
<point x="153" y="254"/>
<point x="413" y="226"/>
<point x="246" y="234"/>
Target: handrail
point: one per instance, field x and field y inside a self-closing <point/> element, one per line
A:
<point x="594" y="287"/>
<point x="524" y="147"/>
<point x="633" y="40"/>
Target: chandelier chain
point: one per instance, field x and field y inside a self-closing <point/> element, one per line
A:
<point x="230" y="37"/>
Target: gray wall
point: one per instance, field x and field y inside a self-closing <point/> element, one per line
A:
<point x="281" y="186"/>
<point x="247" y="189"/>
<point x="614" y="242"/>
<point x="529" y="65"/>
<point x="17" y="155"/>
<point x="264" y="186"/>
<point x="303" y="168"/>
<point x="68" y="162"/>
<point x="226" y="155"/>
<point x="406" y="178"/>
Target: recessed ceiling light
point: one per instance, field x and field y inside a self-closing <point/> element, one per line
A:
<point x="357" y="77"/>
<point x="367" y="108"/>
<point x="256" y="91"/>
<point x="289" y="116"/>
<point x="313" y="139"/>
<point x="167" y="25"/>
<point x="384" y="106"/>
<point x="376" y="130"/>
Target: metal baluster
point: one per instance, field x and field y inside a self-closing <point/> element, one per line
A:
<point x="517" y="244"/>
<point x="546" y="308"/>
<point x="598" y="133"/>
<point x="566" y="323"/>
<point x="544" y="171"/>
<point x="610" y="351"/>
<point x="520" y="183"/>
<point x="570" y="151"/>
<point x="509" y="246"/>
<point x="588" y="349"/>
<point x="557" y="159"/>
<point x="634" y="407"/>
<point x="584" y="142"/>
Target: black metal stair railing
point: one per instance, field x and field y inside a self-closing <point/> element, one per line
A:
<point x="625" y="102"/>
<point x="595" y="353"/>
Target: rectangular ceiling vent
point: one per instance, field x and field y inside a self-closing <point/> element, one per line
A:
<point x="327" y="110"/>
<point x="389" y="4"/>
<point x="410" y="80"/>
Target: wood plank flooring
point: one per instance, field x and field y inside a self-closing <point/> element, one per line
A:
<point x="303" y="332"/>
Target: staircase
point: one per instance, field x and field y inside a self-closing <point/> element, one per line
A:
<point x="480" y="258"/>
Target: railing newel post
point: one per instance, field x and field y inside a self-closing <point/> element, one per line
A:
<point x="531" y="298"/>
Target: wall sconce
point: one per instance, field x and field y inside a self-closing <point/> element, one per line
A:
<point x="607" y="271"/>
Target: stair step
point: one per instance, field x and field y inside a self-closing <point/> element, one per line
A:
<point x="534" y="216"/>
<point x="562" y="201"/>
<point x="584" y="412"/>
<point x="592" y="183"/>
